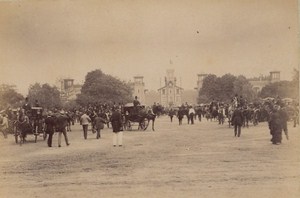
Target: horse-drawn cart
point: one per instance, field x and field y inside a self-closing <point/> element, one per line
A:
<point x="32" y="123"/>
<point x="137" y="115"/>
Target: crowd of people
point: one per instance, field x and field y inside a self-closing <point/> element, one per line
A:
<point x="34" y="119"/>
<point x="239" y="113"/>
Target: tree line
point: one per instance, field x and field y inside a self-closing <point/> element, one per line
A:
<point x="103" y="88"/>
<point x="225" y="87"/>
<point x="97" y="88"/>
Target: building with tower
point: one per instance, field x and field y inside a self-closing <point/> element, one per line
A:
<point x="259" y="82"/>
<point x="139" y="89"/>
<point x="200" y="81"/>
<point x="274" y="76"/>
<point x="69" y="90"/>
<point x="170" y="93"/>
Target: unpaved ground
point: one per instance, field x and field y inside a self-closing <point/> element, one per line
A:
<point x="201" y="160"/>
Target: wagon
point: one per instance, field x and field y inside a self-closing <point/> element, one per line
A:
<point x="137" y="116"/>
<point x="34" y="127"/>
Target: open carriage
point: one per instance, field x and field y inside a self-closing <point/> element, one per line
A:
<point x="137" y="115"/>
<point x="33" y="126"/>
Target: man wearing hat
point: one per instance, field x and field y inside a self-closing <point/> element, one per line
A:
<point x="191" y="114"/>
<point x="117" y="125"/>
<point x="84" y="121"/>
<point x="26" y="106"/>
<point x="276" y="125"/>
<point x="49" y="129"/>
<point x="61" y="124"/>
<point x="237" y="121"/>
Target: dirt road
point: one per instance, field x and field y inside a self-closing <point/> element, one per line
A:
<point x="200" y="160"/>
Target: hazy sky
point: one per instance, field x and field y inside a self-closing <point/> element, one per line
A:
<point x="42" y="41"/>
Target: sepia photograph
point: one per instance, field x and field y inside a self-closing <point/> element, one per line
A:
<point x="149" y="98"/>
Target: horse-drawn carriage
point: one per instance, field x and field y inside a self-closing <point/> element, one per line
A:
<point x="31" y="122"/>
<point x="137" y="114"/>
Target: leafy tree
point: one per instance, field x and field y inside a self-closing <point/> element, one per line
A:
<point x="283" y="89"/>
<point x="244" y="88"/>
<point x="102" y="88"/>
<point x="47" y="96"/>
<point x="207" y="92"/>
<point x="224" y="88"/>
<point x="9" y="97"/>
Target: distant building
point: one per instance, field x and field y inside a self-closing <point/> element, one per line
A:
<point x="69" y="90"/>
<point x="139" y="89"/>
<point x="259" y="82"/>
<point x="200" y="81"/>
<point x="170" y="93"/>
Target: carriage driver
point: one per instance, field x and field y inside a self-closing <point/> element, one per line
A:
<point x="136" y="103"/>
<point x="26" y="106"/>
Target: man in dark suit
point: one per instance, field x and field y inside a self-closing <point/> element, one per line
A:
<point x="61" y="124"/>
<point x="237" y="121"/>
<point x="26" y="106"/>
<point x="117" y="125"/>
<point x="136" y="103"/>
<point x="50" y="123"/>
<point x="98" y="124"/>
<point x="277" y="124"/>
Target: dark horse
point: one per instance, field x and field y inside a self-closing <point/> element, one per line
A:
<point x="184" y="111"/>
<point x="214" y="112"/>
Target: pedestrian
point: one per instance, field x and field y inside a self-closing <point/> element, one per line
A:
<point x="199" y="113"/>
<point x="171" y="114"/>
<point x="4" y="125"/>
<point x="93" y="115"/>
<point x="221" y="115"/>
<point x="284" y="119"/>
<point x="61" y="124"/>
<point x="84" y="121"/>
<point x="277" y="123"/>
<point x="98" y="124"/>
<point x="49" y="127"/>
<point x="180" y="115"/>
<point x="237" y="121"/>
<point x="117" y="125"/>
<point x="191" y="114"/>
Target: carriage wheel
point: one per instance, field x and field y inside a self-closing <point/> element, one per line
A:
<point x="144" y="124"/>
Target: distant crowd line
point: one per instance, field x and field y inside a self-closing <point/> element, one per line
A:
<point x="240" y="113"/>
<point x="33" y="119"/>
